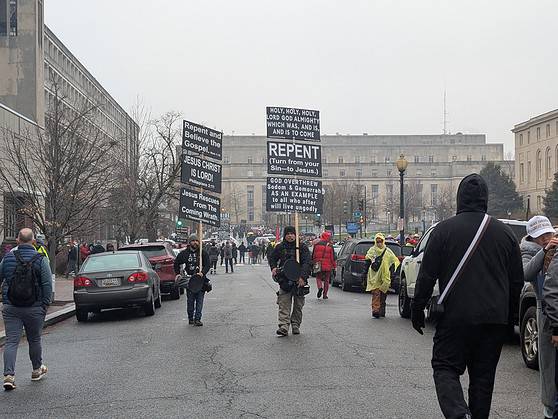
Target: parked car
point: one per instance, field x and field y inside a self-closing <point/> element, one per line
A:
<point x="351" y="260"/>
<point x="161" y="256"/>
<point x="119" y="279"/>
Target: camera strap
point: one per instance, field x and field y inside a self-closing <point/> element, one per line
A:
<point x="466" y="257"/>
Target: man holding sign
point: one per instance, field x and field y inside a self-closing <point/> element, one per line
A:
<point x="292" y="278"/>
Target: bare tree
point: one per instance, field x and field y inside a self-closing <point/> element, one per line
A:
<point x="444" y="205"/>
<point x="63" y="174"/>
<point x="233" y="202"/>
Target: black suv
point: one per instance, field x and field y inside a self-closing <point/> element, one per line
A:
<point x="350" y="264"/>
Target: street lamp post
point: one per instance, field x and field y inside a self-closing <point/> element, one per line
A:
<point x="401" y="166"/>
<point x="389" y="222"/>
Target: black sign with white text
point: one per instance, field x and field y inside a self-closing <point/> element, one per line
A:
<point x="202" y="140"/>
<point x="293" y="124"/>
<point x="294" y="159"/>
<point x="198" y="206"/>
<point x="202" y="173"/>
<point x="294" y="195"/>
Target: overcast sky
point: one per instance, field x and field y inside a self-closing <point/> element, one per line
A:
<point x="372" y="66"/>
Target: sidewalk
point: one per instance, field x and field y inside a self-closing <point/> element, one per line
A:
<point x="63" y="301"/>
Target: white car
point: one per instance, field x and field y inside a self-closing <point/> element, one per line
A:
<point x="411" y="265"/>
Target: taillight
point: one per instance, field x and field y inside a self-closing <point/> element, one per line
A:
<point x="356" y="257"/>
<point x="82" y="281"/>
<point x="138" y="277"/>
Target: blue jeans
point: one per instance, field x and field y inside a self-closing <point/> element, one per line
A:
<point x="15" y="319"/>
<point x="194" y="304"/>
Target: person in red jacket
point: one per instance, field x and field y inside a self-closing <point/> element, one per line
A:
<point x="323" y="254"/>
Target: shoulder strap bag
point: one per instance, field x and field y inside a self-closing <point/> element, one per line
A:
<point x="317" y="265"/>
<point x="437" y="306"/>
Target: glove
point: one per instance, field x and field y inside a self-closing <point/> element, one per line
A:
<point x="417" y="318"/>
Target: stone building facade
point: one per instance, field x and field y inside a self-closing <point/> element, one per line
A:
<point x="536" y="157"/>
<point x="32" y="61"/>
<point x="365" y="163"/>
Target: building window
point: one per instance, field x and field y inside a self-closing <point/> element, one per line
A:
<point x="3" y="18"/>
<point x="374" y="173"/>
<point x="357" y="159"/>
<point x="13" y="17"/>
<point x="324" y="172"/>
<point x="547" y="130"/>
<point x="226" y="159"/>
<point x="528" y="172"/>
<point x="520" y="139"/>
<point x="430" y="159"/>
<point x="250" y="160"/>
<point x="538" y="166"/>
<point x="556" y="159"/>
<point x="340" y="160"/>
<point x="250" y="202"/>
<point x="375" y="191"/>
<point x="388" y="173"/>
<point x="389" y="192"/>
<point x="417" y="159"/>
<point x="358" y="172"/>
<point x="373" y="159"/>
<point x="528" y="137"/>
<point x="539" y="202"/>
<point x="521" y="173"/>
<point x="250" y="173"/>
<point x="538" y="133"/>
<point x="469" y="158"/>
<point x="386" y="159"/>
<point x="454" y="158"/>
<point x="434" y="195"/>
<point x="547" y="170"/>
<point x="342" y="173"/>
<point x="264" y="199"/>
<point x="483" y="158"/>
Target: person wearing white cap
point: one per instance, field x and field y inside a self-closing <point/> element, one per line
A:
<point x="539" y="240"/>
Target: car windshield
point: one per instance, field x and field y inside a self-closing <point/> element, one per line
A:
<point x="150" y="251"/>
<point x="518" y="230"/>
<point x="395" y="248"/>
<point x="109" y="262"/>
<point x="407" y="250"/>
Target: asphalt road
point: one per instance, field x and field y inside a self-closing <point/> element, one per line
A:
<point x="344" y="364"/>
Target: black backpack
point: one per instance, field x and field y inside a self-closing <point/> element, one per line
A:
<point x="24" y="289"/>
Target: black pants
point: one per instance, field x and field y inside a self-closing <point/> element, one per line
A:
<point x="228" y="262"/>
<point x="214" y="264"/>
<point x="476" y="348"/>
<point x="242" y="257"/>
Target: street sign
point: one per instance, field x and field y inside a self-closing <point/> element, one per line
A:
<point x="294" y="159"/>
<point x="294" y="195"/>
<point x="202" y="173"/>
<point x="293" y="124"/>
<point x="202" y="140"/>
<point x="352" y="227"/>
<point x="357" y="214"/>
<point x="198" y="206"/>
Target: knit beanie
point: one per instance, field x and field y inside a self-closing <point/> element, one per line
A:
<point x="192" y="237"/>
<point x="288" y="230"/>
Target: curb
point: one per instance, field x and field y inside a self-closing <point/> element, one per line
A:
<point x="50" y="319"/>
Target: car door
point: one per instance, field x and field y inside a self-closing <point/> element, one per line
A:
<point x="341" y="260"/>
<point x="413" y="262"/>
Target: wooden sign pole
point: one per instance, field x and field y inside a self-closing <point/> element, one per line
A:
<point x="201" y="245"/>
<point x="297" y="238"/>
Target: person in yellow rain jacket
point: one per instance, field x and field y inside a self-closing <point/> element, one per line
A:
<point x="379" y="277"/>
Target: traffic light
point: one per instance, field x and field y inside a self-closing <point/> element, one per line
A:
<point x="361" y="220"/>
<point x="318" y="220"/>
<point x="361" y="205"/>
<point x="345" y="207"/>
<point x="178" y="223"/>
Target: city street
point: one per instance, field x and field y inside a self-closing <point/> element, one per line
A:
<point x="344" y="364"/>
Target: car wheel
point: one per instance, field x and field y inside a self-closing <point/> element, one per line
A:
<point x="158" y="301"/>
<point x="529" y="335"/>
<point x="81" y="315"/>
<point x="149" y="307"/>
<point x="404" y="301"/>
<point x="175" y="293"/>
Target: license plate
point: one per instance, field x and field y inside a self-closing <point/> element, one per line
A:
<point x="110" y="282"/>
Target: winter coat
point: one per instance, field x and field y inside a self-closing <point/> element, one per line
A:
<point x="190" y="258"/>
<point x="213" y="252"/>
<point x="550" y="294"/>
<point x="287" y="250"/>
<point x="381" y="279"/>
<point x="234" y="251"/>
<point x="487" y="291"/>
<point x="323" y="252"/>
<point x="42" y="269"/>
<point x="227" y="252"/>
<point x="242" y="249"/>
<point x="532" y="258"/>
<point x="98" y="248"/>
<point x="84" y="252"/>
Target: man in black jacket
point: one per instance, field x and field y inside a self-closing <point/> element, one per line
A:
<point x="198" y="283"/>
<point x="471" y="331"/>
<point x="287" y="295"/>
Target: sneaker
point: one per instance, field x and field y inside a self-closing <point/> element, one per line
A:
<point x="320" y="290"/>
<point x="282" y="332"/>
<point x="376" y="315"/>
<point x="198" y="323"/>
<point x="296" y="331"/>
<point x="190" y="321"/>
<point x="326" y="297"/>
<point x="9" y="382"/>
<point x="39" y="373"/>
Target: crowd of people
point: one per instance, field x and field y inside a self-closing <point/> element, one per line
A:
<point x="479" y="276"/>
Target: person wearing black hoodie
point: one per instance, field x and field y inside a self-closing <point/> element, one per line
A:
<point x="478" y="310"/>
<point x="287" y="297"/>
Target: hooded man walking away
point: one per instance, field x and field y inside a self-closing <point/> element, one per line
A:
<point x="323" y="255"/>
<point x="472" y="329"/>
